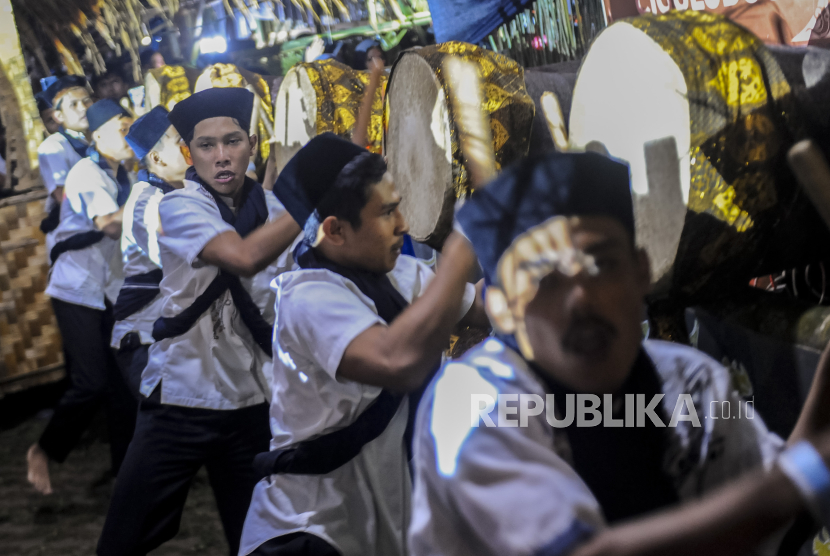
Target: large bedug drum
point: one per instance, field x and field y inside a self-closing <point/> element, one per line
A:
<point x="704" y="114"/>
<point x="421" y="141"/>
<point x="320" y="97"/>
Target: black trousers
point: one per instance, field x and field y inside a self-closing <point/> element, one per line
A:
<point x="170" y="445"/>
<point x="296" y="544"/>
<point x="94" y="380"/>
<point x="132" y="358"/>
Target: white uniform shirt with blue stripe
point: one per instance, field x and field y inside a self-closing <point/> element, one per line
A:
<point x="490" y="491"/>
<point x="215" y="364"/>
<point x="87" y="276"/>
<point x="140" y="254"/>
<point x="361" y="508"/>
<point x="56" y="157"/>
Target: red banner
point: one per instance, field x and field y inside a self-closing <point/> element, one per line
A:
<point x="792" y="22"/>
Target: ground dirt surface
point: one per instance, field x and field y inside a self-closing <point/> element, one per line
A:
<point x="68" y="522"/>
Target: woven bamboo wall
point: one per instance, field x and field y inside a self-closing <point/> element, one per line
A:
<point x="29" y="337"/>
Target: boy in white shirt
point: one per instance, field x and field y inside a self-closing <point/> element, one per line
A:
<point x="205" y="384"/>
<point x="357" y="327"/>
<point x="68" y="98"/>
<point x="157" y="143"/>
<point x="85" y="278"/>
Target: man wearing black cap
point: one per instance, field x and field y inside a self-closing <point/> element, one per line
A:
<point x="206" y="381"/>
<point x="156" y="142"/>
<point x="86" y="277"/>
<point x="568" y="423"/>
<point x="67" y="100"/>
<point x="357" y="327"/>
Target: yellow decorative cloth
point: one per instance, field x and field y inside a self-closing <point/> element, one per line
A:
<point x="506" y="102"/>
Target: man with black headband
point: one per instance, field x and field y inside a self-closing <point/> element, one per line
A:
<point x="68" y="100"/>
<point x="206" y="381"/>
<point x="85" y="279"/>
<point x="357" y="327"/>
<point x="510" y="455"/>
<point x="157" y="143"/>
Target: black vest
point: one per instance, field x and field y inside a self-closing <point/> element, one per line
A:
<point x="253" y="213"/>
<point x="328" y="452"/>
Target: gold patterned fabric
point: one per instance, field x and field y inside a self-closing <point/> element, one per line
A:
<point x="228" y="75"/>
<point x="174" y="84"/>
<point x="506" y="102"/>
<point x="741" y="127"/>
<point x="339" y="91"/>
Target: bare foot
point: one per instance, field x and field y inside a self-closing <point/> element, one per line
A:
<point x="39" y="469"/>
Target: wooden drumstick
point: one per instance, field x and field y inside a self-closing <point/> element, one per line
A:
<point x="813" y="174"/>
<point x="555" y="120"/>
<point x="474" y="135"/>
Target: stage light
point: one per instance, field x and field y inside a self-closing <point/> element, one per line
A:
<point x="145" y="40"/>
<point x="211" y="45"/>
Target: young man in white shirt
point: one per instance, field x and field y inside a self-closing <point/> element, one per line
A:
<point x="57" y="154"/>
<point x="85" y="279"/>
<point x="156" y="142"/>
<point x="503" y="468"/>
<point x="357" y="327"/>
<point x="206" y="382"/>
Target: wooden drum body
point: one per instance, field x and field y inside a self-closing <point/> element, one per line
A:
<point x="320" y="97"/>
<point x="703" y="113"/>
<point x="421" y="141"/>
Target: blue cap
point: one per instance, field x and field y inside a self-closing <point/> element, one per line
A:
<point x="232" y="102"/>
<point x="534" y="190"/>
<point x="45" y="82"/>
<point x="103" y="111"/>
<point x="312" y="172"/>
<point x="147" y="130"/>
<point x="62" y="84"/>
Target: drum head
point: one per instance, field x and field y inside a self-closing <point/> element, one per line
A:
<point x="638" y="120"/>
<point x="418" y="148"/>
<point x="295" y="115"/>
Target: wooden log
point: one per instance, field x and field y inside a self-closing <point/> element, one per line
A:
<point x="35" y="195"/>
